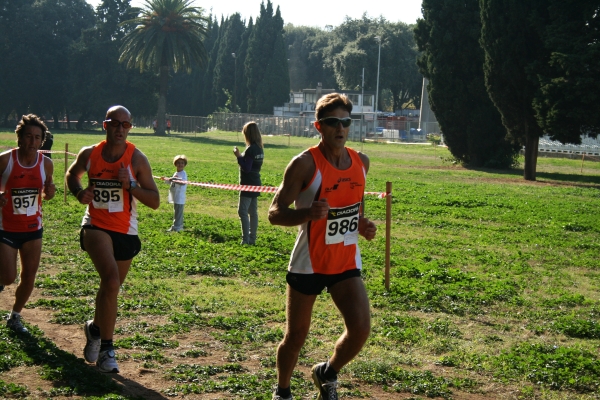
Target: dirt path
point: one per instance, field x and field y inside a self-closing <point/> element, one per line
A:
<point x="137" y="381"/>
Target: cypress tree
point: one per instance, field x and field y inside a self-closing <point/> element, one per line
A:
<point x="214" y="39"/>
<point x="224" y="74"/>
<point x="275" y="88"/>
<point x="275" y="84"/>
<point x="242" y="52"/>
<point x="265" y="42"/>
<point x="569" y="105"/>
<point x="452" y="60"/>
<point x="514" y="55"/>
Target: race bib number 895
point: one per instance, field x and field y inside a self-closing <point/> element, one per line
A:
<point x="342" y="225"/>
<point x="108" y="195"/>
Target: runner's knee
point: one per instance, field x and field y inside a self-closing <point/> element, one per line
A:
<point x="294" y="340"/>
<point x="111" y="283"/>
<point x="360" y="330"/>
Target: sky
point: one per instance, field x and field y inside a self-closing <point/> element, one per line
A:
<point x="315" y="13"/>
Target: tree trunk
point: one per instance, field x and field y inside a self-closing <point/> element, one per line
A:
<point x="56" y="120"/>
<point x="531" y="154"/>
<point x="162" y="100"/>
<point x="82" y="117"/>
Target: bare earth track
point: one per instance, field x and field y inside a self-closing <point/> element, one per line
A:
<point x="140" y="382"/>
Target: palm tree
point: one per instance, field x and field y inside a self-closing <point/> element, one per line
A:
<point x="167" y="34"/>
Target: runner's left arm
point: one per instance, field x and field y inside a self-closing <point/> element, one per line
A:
<point x="366" y="227"/>
<point x="146" y="191"/>
<point x="49" y="188"/>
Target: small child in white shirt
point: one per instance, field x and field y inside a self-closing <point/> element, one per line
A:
<point x="177" y="192"/>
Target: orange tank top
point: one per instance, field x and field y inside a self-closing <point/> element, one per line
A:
<point x="330" y="246"/>
<point x="23" y="188"/>
<point x="113" y="208"/>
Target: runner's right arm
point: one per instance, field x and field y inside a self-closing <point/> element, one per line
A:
<point x="296" y="177"/>
<point x="74" y="174"/>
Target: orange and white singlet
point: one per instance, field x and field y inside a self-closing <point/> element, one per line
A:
<point x="23" y="188"/>
<point x="330" y="246"/>
<point x="113" y="208"/>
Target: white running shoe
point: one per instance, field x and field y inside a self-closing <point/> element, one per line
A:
<point x="14" y="322"/>
<point x="107" y="363"/>
<point x="92" y="344"/>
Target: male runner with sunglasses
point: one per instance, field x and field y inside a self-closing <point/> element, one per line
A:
<point x="326" y="184"/>
<point x="119" y="175"/>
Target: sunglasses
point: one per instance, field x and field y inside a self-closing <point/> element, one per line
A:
<point x="334" y="121"/>
<point x="115" y="123"/>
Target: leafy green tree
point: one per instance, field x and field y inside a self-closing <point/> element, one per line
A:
<point x="97" y="79"/>
<point x="399" y="71"/>
<point x="62" y="23"/>
<point x="17" y="38"/>
<point x="514" y="55"/>
<point x="35" y="45"/>
<point x="306" y="58"/>
<point x="353" y="46"/>
<point x="168" y="34"/>
<point x="452" y="60"/>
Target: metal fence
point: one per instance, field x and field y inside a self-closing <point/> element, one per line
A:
<point x="588" y="146"/>
<point x="386" y="129"/>
<point x="179" y="123"/>
<point x="302" y="126"/>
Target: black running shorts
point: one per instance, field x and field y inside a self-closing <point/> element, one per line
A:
<point x="315" y="283"/>
<point x="125" y="246"/>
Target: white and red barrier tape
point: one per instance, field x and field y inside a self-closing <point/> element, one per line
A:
<point x="57" y="152"/>
<point x="225" y="186"/>
<point x="245" y="188"/>
<point x="43" y="151"/>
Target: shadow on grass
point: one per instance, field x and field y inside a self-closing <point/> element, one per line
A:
<point x="228" y="143"/>
<point x="548" y="177"/>
<point x="68" y="374"/>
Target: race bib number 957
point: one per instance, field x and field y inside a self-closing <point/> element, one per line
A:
<point x="25" y="201"/>
<point x="108" y="195"/>
<point x="342" y="225"/>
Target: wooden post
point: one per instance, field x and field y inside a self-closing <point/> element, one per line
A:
<point x="388" y="229"/>
<point x="66" y="188"/>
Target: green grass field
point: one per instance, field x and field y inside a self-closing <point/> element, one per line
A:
<point x="494" y="289"/>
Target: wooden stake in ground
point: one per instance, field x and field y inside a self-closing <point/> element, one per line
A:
<point x="388" y="229"/>
<point x="66" y="189"/>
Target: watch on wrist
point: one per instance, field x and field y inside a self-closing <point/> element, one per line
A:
<point x="132" y="185"/>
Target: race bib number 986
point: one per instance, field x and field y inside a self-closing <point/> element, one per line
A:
<point x="25" y="201"/>
<point x="342" y="225"/>
<point x="108" y="195"/>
